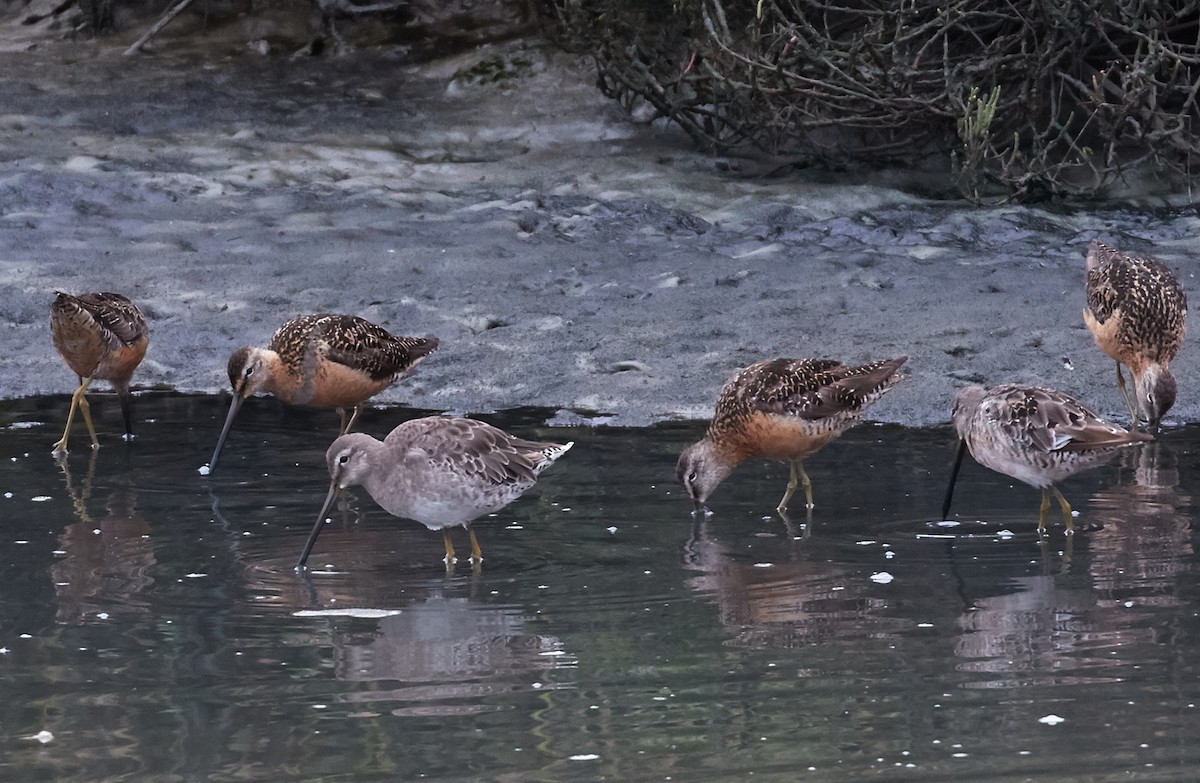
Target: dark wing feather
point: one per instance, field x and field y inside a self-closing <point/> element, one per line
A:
<point x="780" y="386"/>
<point x="115" y="314"/>
<point x="474" y="448"/>
<point x="353" y="342"/>
<point x="1049" y="420"/>
<point x="1147" y="293"/>
<point x="811" y="388"/>
<point x="1102" y="298"/>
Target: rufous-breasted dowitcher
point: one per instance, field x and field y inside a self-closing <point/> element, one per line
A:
<point x="782" y="409"/>
<point x="100" y="336"/>
<point x="329" y="361"/>
<point x="1137" y="311"/>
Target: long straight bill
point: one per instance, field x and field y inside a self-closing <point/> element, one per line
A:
<point x="316" y="531"/>
<point x="962" y="450"/>
<point x="234" y="406"/>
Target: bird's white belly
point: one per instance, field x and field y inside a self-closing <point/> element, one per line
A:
<point x="446" y="505"/>
<point x="437" y="513"/>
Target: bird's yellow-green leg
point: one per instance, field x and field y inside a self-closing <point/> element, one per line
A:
<point x="346" y="425"/>
<point x="808" y="500"/>
<point x="1068" y="520"/>
<point x="450" y="558"/>
<point x="798" y="477"/>
<point x="1044" y="509"/>
<point x="1129" y="402"/>
<point x="77" y="401"/>
<point x="86" y="410"/>
<point x="476" y="552"/>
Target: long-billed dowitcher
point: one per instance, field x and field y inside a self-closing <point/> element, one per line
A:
<point x="437" y="470"/>
<point x="100" y="336"/>
<point x="326" y="361"/>
<point x="783" y="409"/>
<point x="1137" y="311"/>
<point x="1037" y="436"/>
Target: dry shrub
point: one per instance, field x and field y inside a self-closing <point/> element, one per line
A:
<point x="1024" y="99"/>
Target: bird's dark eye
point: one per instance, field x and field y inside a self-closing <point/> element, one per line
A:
<point x="691" y="477"/>
<point x="343" y="459"/>
<point x="249" y="372"/>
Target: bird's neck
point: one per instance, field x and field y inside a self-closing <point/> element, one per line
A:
<point x="276" y="379"/>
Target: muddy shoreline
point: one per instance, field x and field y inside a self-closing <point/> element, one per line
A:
<point x="565" y="257"/>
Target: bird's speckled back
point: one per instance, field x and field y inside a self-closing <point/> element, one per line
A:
<point x="823" y="392"/>
<point x="1148" y="298"/>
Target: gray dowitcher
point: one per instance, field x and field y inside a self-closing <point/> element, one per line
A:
<point x="1037" y="436"/>
<point x="1137" y="311"/>
<point x="100" y="336"/>
<point x="439" y="471"/>
<point x="325" y="361"/>
<point x="783" y="409"/>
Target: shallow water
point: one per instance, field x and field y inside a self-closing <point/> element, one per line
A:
<point x="152" y="623"/>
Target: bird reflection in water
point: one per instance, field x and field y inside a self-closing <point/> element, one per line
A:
<point x="1059" y="629"/>
<point x="794" y="600"/>
<point x="441" y="637"/>
<point x="103" y="564"/>
<point x="1144" y="543"/>
<point x="443" y="654"/>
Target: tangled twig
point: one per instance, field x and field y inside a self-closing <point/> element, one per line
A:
<point x="1074" y="94"/>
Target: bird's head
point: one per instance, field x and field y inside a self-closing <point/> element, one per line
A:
<point x="700" y="470"/>
<point x="247" y="370"/>
<point x="1155" y="389"/>
<point x="349" y="459"/>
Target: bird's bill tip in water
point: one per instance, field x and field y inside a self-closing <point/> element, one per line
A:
<point x="334" y="489"/>
<point x="234" y="406"/>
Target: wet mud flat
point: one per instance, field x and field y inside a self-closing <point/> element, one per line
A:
<point x="565" y="257"/>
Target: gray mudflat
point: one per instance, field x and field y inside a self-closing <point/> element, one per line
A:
<point x="565" y="257"/>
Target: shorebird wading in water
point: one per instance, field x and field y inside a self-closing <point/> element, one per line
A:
<point x="783" y="409"/>
<point x="330" y="361"/>
<point x="1037" y="436"/>
<point x="1137" y="311"/>
<point x="100" y="336"/>
<point x="439" y="471"/>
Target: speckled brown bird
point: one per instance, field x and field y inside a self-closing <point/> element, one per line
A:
<point x="1137" y="311"/>
<point x="440" y="471"/>
<point x="1037" y="436"/>
<point x="782" y="409"/>
<point x="325" y="361"/>
<point x="100" y="336"/>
